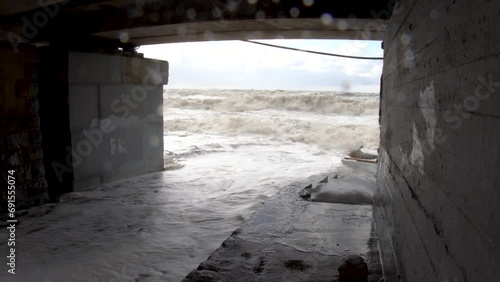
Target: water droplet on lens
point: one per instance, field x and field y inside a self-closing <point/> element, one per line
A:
<point x="308" y="3"/>
<point x="342" y="25"/>
<point x="294" y="12"/>
<point x="124" y="38"/>
<point x="326" y="19"/>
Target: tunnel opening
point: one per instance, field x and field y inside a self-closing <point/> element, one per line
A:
<point x="273" y="80"/>
<point x="230" y="147"/>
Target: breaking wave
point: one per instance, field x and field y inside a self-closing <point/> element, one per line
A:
<point x="328" y="119"/>
<point x="252" y="100"/>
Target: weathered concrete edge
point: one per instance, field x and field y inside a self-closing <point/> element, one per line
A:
<point x="208" y="267"/>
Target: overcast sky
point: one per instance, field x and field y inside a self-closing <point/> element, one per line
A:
<point x="242" y="65"/>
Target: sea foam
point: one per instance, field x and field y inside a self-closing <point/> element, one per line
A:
<point x="342" y="121"/>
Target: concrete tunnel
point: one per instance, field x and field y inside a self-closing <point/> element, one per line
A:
<point x="64" y="65"/>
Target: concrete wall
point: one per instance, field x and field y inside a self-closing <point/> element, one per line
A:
<point x="20" y="137"/>
<point x="116" y="116"/>
<point x="439" y="168"/>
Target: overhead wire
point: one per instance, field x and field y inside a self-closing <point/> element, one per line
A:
<point x="313" y="52"/>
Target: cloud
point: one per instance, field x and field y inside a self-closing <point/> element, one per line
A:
<point x="237" y="64"/>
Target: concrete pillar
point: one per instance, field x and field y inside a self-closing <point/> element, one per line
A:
<point x="20" y="137"/>
<point x="111" y="120"/>
<point x="437" y="203"/>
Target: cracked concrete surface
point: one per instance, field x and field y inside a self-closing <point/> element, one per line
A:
<point x="291" y="239"/>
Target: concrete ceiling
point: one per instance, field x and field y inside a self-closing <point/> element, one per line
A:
<point x="140" y="22"/>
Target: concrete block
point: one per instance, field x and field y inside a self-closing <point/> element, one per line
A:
<point x="125" y="144"/>
<point x="154" y="102"/>
<point x="124" y="101"/>
<point x="155" y="163"/>
<point x="146" y="72"/>
<point x="88" y="153"/>
<point x="153" y="146"/>
<point x="88" y="68"/>
<point x="83" y="106"/>
<point x="115" y="99"/>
